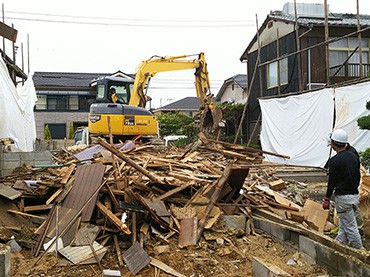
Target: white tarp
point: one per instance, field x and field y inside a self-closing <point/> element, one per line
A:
<point x="16" y="111"/>
<point x="350" y="104"/>
<point x="297" y="126"/>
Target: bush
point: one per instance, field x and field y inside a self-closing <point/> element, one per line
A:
<point x="364" y="122"/>
<point x="71" y="133"/>
<point x="365" y="158"/>
<point x="47" y="133"/>
<point x="175" y="123"/>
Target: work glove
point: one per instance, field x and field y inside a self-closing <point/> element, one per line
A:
<point x="326" y="203"/>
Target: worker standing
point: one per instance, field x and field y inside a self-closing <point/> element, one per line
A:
<point x="344" y="179"/>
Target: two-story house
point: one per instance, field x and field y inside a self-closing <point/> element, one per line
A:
<point x="233" y="90"/>
<point x="290" y="53"/>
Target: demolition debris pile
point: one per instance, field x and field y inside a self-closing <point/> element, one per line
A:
<point x="130" y="200"/>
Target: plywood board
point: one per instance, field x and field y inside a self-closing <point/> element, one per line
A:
<point x="316" y="215"/>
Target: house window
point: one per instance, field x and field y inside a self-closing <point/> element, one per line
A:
<point x="340" y="50"/>
<point x="73" y="102"/>
<point x="64" y="103"/>
<point x="56" y="102"/>
<point x="272" y="73"/>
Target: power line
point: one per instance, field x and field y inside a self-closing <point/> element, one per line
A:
<point x="129" y="24"/>
<point x="133" y="19"/>
<point x="235" y="24"/>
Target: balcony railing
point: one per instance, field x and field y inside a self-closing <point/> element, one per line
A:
<point x="349" y="70"/>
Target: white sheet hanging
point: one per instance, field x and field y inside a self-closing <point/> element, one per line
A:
<point x="297" y="126"/>
<point x="350" y="104"/>
<point x="16" y="111"/>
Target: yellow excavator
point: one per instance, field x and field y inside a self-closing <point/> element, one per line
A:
<point x="121" y="101"/>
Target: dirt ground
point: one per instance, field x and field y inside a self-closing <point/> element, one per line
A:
<point x="228" y="254"/>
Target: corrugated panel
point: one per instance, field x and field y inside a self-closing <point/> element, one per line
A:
<point x="87" y="179"/>
<point x="88" y="154"/>
<point x="83" y="254"/>
<point x="136" y="258"/>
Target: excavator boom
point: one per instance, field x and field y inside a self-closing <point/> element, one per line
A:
<point x="209" y="115"/>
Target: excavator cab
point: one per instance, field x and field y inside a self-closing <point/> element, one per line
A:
<point x="113" y="90"/>
<point x="113" y="114"/>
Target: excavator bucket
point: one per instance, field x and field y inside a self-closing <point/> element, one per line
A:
<point x="208" y="118"/>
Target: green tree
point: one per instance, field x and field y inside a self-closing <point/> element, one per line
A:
<point x="47" y="133"/>
<point x="70" y="134"/>
<point x="175" y="123"/>
<point x="232" y="114"/>
<point x="364" y="123"/>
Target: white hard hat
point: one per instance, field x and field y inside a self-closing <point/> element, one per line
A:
<point x="340" y="136"/>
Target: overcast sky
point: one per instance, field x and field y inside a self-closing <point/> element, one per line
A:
<point x="111" y="35"/>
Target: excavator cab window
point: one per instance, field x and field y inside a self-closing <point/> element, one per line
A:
<point x="121" y="93"/>
<point x="100" y="92"/>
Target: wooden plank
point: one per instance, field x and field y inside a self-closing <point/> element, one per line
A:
<point x="217" y="190"/>
<point x="129" y="161"/>
<point x="162" y="266"/>
<point x="37" y="208"/>
<point x="114" y="219"/>
<point x="87" y="178"/>
<point x="8" y="32"/>
<point x="64" y="217"/>
<point x="26" y="214"/>
<point x="277" y="184"/>
<point x="173" y="191"/>
<point x="54" y="196"/>
<point x="68" y="174"/>
<point x="118" y="251"/>
<point x="9" y="192"/>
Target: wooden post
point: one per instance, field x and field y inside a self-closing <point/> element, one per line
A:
<point x="327" y="61"/>
<point x="359" y="39"/>
<point x="298" y="46"/>
<point x="249" y="86"/>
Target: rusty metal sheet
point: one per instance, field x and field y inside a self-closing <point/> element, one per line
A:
<point x="136" y="258"/>
<point x="188" y="231"/>
<point x="87" y="179"/>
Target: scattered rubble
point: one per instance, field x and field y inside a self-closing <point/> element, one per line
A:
<point x="146" y="209"/>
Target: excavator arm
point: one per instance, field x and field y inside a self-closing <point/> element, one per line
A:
<point x="209" y="115"/>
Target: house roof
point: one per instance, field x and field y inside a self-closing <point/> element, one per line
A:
<point x="239" y="79"/>
<point x="185" y="104"/>
<point x="304" y="20"/>
<point x="68" y="79"/>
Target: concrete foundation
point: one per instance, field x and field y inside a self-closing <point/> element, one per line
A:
<point x="339" y="264"/>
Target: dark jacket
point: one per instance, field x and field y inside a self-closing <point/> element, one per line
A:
<point x="344" y="174"/>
